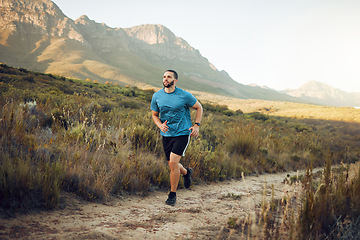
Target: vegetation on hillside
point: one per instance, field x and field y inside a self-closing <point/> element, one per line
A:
<point x="324" y="206"/>
<point x="98" y="140"/>
<point x="286" y="109"/>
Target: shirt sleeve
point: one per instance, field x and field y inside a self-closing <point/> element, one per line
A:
<point x="190" y="99"/>
<point x="154" y="105"/>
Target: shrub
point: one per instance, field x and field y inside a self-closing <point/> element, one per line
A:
<point x="333" y="203"/>
<point x="142" y="137"/>
<point x="24" y="186"/>
<point x="257" y="116"/>
<point x="243" y="140"/>
<point x="29" y="78"/>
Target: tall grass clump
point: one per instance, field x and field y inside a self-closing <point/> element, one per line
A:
<point x="332" y="209"/>
<point x="243" y="139"/>
<point x="326" y="208"/>
<point x="29" y="174"/>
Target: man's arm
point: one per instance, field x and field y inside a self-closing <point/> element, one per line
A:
<point x="199" y="112"/>
<point x="163" y="126"/>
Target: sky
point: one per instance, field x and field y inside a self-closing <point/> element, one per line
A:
<point x="281" y="44"/>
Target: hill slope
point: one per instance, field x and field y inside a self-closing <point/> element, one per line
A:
<point x="37" y="35"/>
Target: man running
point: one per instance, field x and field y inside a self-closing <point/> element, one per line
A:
<point x="171" y="113"/>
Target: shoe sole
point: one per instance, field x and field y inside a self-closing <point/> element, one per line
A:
<point x="170" y="204"/>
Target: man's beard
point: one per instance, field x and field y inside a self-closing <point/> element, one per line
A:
<point x="169" y="85"/>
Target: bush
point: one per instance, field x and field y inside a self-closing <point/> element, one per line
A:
<point x="258" y="116"/>
<point x="24" y="186"/>
<point x="243" y="140"/>
<point x="143" y="138"/>
<point x="29" y="78"/>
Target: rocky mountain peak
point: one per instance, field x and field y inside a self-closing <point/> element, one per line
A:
<point x="315" y="86"/>
<point x="156" y="34"/>
<point x="152" y="34"/>
<point x="35" y="17"/>
<point x="321" y="93"/>
<point x="43" y="5"/>
<point x="314" y="89"/>
<point x="84" y="20"/>
<point x="36" y="34"/>
<point x="162" y="42"/>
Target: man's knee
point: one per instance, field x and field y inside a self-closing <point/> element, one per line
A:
<point x="173" y="165"/>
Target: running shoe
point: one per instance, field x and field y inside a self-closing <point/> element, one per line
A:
<point x="171" y="200"/>
<point x="187" y="177"/>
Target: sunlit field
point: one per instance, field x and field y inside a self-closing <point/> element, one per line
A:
<point x="284" y="109"/>
<point x="98" y="141"/>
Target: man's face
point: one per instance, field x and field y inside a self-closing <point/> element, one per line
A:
<point x="168" y="79"/>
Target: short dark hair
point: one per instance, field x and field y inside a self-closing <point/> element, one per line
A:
<point x="174" y="72"/>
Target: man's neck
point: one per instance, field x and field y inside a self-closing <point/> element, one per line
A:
<point x="170" y="89"/>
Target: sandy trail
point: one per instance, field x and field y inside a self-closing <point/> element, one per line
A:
<point x="199" y="213"/>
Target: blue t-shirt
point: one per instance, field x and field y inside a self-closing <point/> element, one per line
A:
<point x="174" y="107"/>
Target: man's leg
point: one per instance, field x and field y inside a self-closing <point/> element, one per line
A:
<point x="175" y="170"/>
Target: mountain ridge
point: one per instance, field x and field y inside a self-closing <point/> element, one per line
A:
<point x="38" y="36"/>
<point x="324" y="94"/>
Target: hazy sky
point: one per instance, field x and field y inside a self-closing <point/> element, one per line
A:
<point x="278" y="43"/>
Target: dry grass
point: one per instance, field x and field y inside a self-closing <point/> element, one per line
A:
<point x="98" y="140"/>
<point x="284" y="109"/>
<point x="327" y="207"/>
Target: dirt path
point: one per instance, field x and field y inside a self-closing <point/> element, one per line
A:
<point x="200" y="213"/>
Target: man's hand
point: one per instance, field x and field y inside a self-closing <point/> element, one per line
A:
<point x="194" y="131"/>
<point x="164" y="127"/>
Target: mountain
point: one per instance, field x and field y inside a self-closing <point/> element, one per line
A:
<point x="37" y="35"/>
<point x="320" y="93"/>
<point x="260" y="86"/>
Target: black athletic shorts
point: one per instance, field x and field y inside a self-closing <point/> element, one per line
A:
<point x="175" y="145"/>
